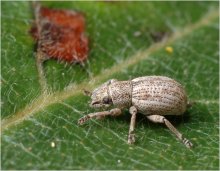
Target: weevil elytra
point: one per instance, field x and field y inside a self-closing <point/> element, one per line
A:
<point x="153" y="96"/>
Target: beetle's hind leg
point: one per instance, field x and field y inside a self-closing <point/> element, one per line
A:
<point x="98" y="115"/>
<point x="162" y="119"/>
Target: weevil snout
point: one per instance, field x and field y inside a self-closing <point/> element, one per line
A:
<point x="100" y="100"/>
<point x="100" y="96"/>
<point x="104" y="102"/>
<point x="96" y="102"/>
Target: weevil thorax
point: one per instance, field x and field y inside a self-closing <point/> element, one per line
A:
<point x="121" y="93"/>
<point x="112" y="92"/>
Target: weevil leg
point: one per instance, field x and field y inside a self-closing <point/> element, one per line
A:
<point x="131" y="135"/>
<point x="98" y="115"/>
<point x="162" y="119"/>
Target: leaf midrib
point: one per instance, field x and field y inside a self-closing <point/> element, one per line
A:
<point x="47" y="99"/>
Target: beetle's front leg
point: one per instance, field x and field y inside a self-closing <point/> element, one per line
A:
<point x="97" y="115"/>
<point x="131" y="135"/>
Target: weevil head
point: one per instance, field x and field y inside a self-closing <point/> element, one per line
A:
<point x="100" y="96"/>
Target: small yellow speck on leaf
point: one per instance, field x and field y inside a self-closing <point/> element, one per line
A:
<point x="52" y="144"/>
<point x="169" y="49"/>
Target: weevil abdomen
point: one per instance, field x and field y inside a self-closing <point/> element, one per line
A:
<point x="160" y="95"/>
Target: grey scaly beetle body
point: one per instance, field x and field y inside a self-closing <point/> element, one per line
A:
<point x="153" y="96"/>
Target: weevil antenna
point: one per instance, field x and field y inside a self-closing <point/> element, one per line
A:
<point x="87" y="93"/>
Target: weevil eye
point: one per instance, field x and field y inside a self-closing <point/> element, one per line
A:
<point x="105" y="100"/>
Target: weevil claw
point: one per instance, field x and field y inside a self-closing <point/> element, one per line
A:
<point x="131" y="138"/>
<point x="82" y="120"/>
<point x="187" y="143"/>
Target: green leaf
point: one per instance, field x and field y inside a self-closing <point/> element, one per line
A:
<point x="40" y="131"/>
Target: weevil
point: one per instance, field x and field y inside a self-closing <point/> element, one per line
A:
<point x="153" y="96"/>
